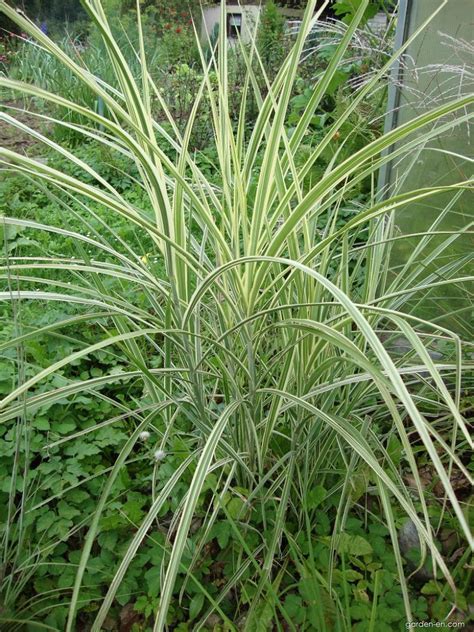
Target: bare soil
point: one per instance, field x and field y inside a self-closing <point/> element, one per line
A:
<point x="12" y="138"/>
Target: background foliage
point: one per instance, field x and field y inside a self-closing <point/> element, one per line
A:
<point x="244" y="430"/>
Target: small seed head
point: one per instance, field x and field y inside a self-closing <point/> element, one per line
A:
<point x="159" y="455"/>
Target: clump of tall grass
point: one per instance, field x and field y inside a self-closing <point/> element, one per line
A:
<point x="34" y="63"/>
<point x="273" y="335"/>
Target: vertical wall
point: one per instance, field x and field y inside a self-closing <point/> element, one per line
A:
<point x="249" y="14"/>
<point x="437" y="67"/>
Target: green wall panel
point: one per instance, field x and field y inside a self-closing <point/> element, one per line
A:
<point x="437" y="67"/>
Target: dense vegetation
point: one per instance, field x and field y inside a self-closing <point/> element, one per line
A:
<point x="218" y="412"/>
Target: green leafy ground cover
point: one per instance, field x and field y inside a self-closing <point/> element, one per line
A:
<point x="55" y="459"/>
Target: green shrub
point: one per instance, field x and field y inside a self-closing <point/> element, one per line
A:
<point x="270" y="35"/>
<point x="267" y="442"/>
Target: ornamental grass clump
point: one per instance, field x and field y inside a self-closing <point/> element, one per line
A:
<point x="260" y="338"/>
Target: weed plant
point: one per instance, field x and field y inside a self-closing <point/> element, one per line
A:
<point x="268" y="436"/>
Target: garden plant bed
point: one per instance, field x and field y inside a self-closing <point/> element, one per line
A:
<point x="218" y="409"/>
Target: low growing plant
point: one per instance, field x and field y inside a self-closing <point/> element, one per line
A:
<point x="277" y="426"/>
